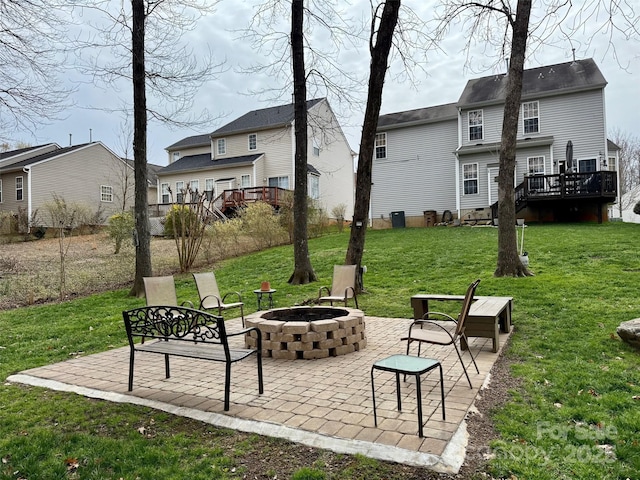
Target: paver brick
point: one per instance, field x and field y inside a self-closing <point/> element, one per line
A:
<point x="295" y="327"/>
<point x="271" y="326"/>
<point x="324" y="325"/>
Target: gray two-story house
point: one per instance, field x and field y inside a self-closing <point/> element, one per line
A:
<point x="445" y="159"/>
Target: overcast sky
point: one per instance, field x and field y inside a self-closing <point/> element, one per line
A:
<point x="441" y="80"/>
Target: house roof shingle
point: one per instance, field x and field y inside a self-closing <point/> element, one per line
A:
<point x="193" y="141"/>
<point x="536" y="82"/>
<point x="203" y="161"/>
<point x="262" y="118"/>
<point x="46" y="156"/>
<point x="418" y="116"/>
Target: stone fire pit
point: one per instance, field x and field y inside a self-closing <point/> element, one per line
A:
<point x="307" y="332"/>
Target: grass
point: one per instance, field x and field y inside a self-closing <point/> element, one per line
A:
<point x="574" y="417"/>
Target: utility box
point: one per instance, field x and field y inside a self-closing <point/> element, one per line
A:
<point x="430" y="218"/>
<point x="397" y="219"/>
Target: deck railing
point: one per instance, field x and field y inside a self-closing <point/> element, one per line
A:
<point x="570" y="185"/>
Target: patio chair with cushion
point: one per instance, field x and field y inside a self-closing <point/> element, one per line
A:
<point x="210" y="297"/>
<point x="439" y="334"/>
<point x="161" y="291"/>
<point x="343" y="286"/>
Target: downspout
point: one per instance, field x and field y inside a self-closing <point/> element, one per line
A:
<point x="27" y="170"/>
<point x="457" y="175"/>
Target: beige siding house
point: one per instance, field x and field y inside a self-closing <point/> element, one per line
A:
<point x="257" y="150"/>
<point x="90" y="175"/>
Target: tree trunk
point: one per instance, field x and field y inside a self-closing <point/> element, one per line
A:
<point x="142" y="234"/>
<point x="303" y="271"/>
<point x="509" y="263"/>
<point x="380" y="46"/>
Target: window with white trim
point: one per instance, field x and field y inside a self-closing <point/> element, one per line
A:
<point x="282" y="182"/>
<point x="106" y="193"/>
<point x="530" y="117"/>
<point x="470" y="178"/>
<point x="381" y="145"/>
<point x="179" y="192"/>
<point x="475" y="125"/>
<point x="176" y="156"/>
<point x="253" y="141"/>
<point x="194" y="185"/>
<point x="165" y="195"/>
<point x="245" y="181"/>
<point x="535" y="169"/>
<point x="19" y="189"/>
<point x="221" y="146"/>
<point x="313" y="186"/>
<point x="316" y="148"/>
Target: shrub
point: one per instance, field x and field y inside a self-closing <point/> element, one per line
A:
<point x="317" y="220"/>
<point x="261" y="224"/>
<point x="338" y="213"/>
<point x="306" y="473"/>
<point x="222" y="239"/>
<point x="120" y="226"/>
<point x="180" y="219"/>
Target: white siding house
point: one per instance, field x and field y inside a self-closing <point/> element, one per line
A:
<point x="446" y="158"/>
<point x="257" y="150"/>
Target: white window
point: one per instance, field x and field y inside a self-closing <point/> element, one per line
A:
<point x="222" y="146"/>
<point x="313" y="186"/>
<point x="0" y="190"/>
<point x="282" y="182"/>
<point x="19" y="189"/>
<point x="475" y="125"/>
<point x="194" y="185"/>
<point x="470" y="178"/>
<point x="316" y="148"/>
<point x="381" y="145"/>
<point x="179" y="192"/>
<point x="106" y="193"/>
<point x="245" y="181"/>
<point x="253" y="141"/>
<point x="535" y="168"/>
<point x="530" y="118"/>
<point x="164" y="192"/>
<point x="176" y="156"/>
<point x="611" y="166"/>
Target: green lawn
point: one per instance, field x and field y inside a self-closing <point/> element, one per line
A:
<point x="575" y="417"/>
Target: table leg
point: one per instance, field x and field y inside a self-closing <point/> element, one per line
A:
<point x="419" y="399"/>
<point x="373" y="395"/>
<point x="442" y="390"/>
<point x="398" y="391"/>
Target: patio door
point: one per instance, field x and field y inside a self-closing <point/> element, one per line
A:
<point x="492" y="181"/>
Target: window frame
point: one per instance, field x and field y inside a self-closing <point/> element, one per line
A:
<point x="175" y="157"/>
<point x="526" y="106"/>
<point x="315" y="151"/>
<point x="165" y="190"/>
<point x="313" y="186"/>
<point x="255" y="142"/>
<point x="19" y="189"/>
<point x="106" y="193"/>
<point x="279" y="180"/>
<point x="180" y="191"/>
<point x="194" y="185"/>
<point x="380" y="146"/>
<point x="221" y="146"/>
<point x="244" y="184"/>
<point x="477" y="126"/>
<point x="536" y="183"/>
<point x="466" y="179"/>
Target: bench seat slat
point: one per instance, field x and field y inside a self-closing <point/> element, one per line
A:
<point x="205" y="351"/>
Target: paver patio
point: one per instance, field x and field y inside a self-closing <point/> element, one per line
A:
<point x="322" y="403"/>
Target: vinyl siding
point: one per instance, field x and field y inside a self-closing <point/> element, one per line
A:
<point x="77" y="177"/>
<point x="9" y="202"/>
<point x="419" y="171"/>
<point x="335" y="163"/>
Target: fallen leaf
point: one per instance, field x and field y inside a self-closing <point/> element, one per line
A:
<point x="142" y="430"/>
<point x="592" y="392"/>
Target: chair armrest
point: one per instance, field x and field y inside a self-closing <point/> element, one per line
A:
<point x="427" y="316"/>
<point x="232" y="293"/>
<point x="208" y="297"/>
<point x="247" y="330"/>
<point x="187" y="302"/>
<point x="324" y="288"/>
<point x="430" y="322"/>
<point x="346" y="292"/>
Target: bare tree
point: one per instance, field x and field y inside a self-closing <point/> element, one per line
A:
<point x="158" y="63"/>
<point x="303" y="270"/>
<point x="383" y="24"/>
<point x="31" y="58"/>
